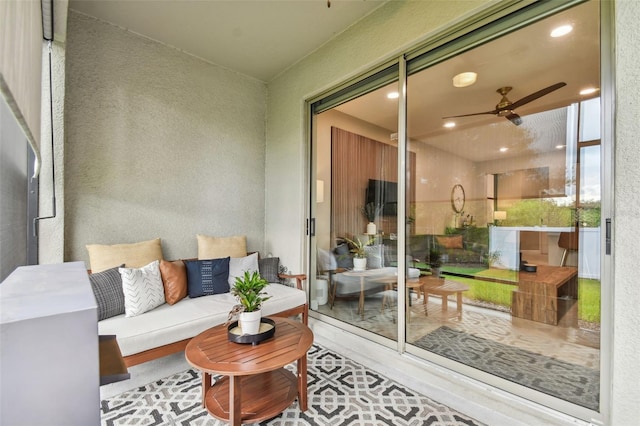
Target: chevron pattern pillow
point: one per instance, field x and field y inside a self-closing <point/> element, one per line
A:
<point x="142" y="288"/>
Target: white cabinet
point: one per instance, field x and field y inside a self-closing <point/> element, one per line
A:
<point x="49" y="366"/>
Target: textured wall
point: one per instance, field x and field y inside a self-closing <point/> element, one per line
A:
<point x="158" y="144"/>
<point x="625" y="335"/>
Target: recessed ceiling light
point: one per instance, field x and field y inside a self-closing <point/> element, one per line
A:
<point x="449" y="124"/>
<point x="560" y="146"/>
<point x="588" y="91"/>
<point x="393" y="95"/>
<point x="561" y="30"/>
<point x="465" y="79"/>
<point x="504" y="149"/>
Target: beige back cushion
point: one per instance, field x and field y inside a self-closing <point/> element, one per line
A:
<point x="218" y="247"/>
<point x="135" y="255"/>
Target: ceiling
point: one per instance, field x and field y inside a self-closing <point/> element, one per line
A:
<point x="258" y="38"/>
<point x="528" y="60"/>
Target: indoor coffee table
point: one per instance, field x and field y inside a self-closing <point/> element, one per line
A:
<point x="255" y="386"/>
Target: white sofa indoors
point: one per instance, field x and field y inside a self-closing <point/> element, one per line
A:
<point x="167" y="328"/>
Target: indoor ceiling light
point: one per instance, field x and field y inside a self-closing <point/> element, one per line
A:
<point x="588" y="91"/>
<point x="561" y="30"/>
<point x="504" y="149"/>
<point x="560" y="146"/>
<point x="393" y="95"/>
<point x="449" y="124"/>
<point x="464" y="79"/>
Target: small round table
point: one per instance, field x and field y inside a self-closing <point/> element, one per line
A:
<point x="256" y="385"/>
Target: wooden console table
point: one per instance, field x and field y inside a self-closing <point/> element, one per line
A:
<point x="256" y="385"/>
<point x="549" y="295"/>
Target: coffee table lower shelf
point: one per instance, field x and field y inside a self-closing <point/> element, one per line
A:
<point x="262" y="396"/>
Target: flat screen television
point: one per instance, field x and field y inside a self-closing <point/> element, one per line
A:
<point x="385" y="193"/>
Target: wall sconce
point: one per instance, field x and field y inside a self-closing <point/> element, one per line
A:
<point x="319" y="191"/>
<point x="499" y="216"/>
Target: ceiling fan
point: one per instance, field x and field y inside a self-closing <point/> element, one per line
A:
<point x="505" y="107"/>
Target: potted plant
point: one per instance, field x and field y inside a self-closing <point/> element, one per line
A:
<point x="248" y="289"/>
<point x="371" y="211"/>
<point x="359" y="253"/>
<point x="434" y="259"/>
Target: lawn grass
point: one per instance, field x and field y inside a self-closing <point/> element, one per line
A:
<point x="487" y="291"/>
<point x="589" y="300"/>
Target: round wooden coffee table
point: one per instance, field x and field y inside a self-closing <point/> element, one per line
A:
<point x="256" y="385"/>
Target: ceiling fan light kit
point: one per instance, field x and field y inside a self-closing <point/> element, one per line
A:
<point x="505" y="108"/>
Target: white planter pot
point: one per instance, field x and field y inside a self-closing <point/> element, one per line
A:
<point x="359" y="263"/>
<point x="249" y="322"/>
<point x="371" y="228"/>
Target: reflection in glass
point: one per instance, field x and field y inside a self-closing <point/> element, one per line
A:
<point x="356" y="224"/>
<point x="510" y="272"/>
<point x="502" y="227"/>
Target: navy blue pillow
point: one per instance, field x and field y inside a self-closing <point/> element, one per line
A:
<point x="206" y="277"/>
<point x="344" y="258"/>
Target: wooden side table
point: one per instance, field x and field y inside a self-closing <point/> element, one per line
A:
<point x="446" y="289"/>
<point x="256" y="385"/>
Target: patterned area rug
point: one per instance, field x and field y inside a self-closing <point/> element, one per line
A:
<point x="570" y="382"/>
<point x="340" y="392"/>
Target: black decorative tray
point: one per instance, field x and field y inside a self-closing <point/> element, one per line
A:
<point x="267" y="329"/>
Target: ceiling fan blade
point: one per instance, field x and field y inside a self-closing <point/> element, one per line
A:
<point x="494" y="112"/>
<point x="536" y="95"/>
<point x="514" y="118"/>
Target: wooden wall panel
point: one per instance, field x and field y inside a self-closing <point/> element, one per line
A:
<point x="356" y="159"/>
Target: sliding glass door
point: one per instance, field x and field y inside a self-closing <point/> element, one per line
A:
<point x="506" y="226"/>
<point x="356" y="205"/>
<point x="471" y="238"/>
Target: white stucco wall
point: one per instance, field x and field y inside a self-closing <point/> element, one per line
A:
<point x="382" y="35"/>
<point x="625" y="407"/>
<point x="158" y="144"/>
<point x="51" y="227"/>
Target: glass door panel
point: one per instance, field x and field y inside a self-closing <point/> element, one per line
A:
<point x="500" y="228"/>
<point x="355" y="223"/>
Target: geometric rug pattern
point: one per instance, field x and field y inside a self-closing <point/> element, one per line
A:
<point x="570" y="382"/>
<point x="341" y="392"/>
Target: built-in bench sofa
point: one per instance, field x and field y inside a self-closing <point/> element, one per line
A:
<point x="167" y="328"/>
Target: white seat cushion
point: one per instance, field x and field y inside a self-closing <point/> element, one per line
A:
<point x="171" y="323"/>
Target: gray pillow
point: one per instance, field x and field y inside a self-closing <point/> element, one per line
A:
<point x="107" y="288"/>
<point x="374" y="256"/>
<point x="269" y="269"/>
<point x="343" y="256"/>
